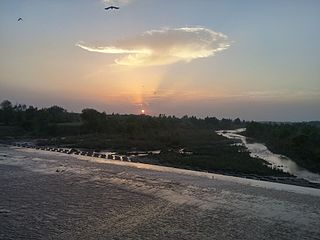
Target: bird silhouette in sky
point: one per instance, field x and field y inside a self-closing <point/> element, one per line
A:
<point x="111" y="8"/>
<point x="20" y="19"/>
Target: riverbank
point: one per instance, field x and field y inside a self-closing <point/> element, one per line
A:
<point x="298" y="141"/>
<point x="277" y="161"/>
<point x="197" y="148"/>
<point x="147" y="159"/>
<point x="291" y="180"/>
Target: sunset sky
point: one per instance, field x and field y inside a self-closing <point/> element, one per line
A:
<point x="257" y="60"/>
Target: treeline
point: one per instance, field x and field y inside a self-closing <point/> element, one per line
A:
<point x="56" y="121"/>
<point x="33" y="120"/>
<point x="299" y="141"/>
<point x="95" y="121"/>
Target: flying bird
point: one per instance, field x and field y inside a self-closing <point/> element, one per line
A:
<point x="111" y="7"/>
<point x="20" y="19"/>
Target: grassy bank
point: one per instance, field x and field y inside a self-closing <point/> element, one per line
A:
<point x="203" y="150"/>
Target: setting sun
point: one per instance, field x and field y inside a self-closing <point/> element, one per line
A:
<point x="142" y="111"/>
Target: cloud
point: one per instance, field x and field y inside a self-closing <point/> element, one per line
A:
<point x="117" y="2"/>
<point x="164" y="46"/>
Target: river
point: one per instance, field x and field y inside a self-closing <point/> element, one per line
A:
<point x="95" y="198"/>
<point x="278" y="161"/>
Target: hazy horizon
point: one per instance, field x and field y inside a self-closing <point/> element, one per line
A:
<point x="228" y="59"/>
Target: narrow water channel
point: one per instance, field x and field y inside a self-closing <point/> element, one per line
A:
<point x="276" y="160"/>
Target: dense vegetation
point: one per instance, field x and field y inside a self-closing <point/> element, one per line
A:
<point x="97" y="130"/>
<point x="23" y="120"/>
<point x="299" y="141"/>
<point x="56" y="121"/>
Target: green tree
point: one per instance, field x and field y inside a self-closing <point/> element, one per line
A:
<point x="6" y="112"/>
<point x="94" y="120"/>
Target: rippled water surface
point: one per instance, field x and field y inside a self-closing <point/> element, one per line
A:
<point x="92" y="198"/>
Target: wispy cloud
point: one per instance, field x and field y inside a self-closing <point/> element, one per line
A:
<point x="165" y="46"/>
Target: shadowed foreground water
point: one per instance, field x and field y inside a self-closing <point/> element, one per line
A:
<point x="46" y="195"/>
